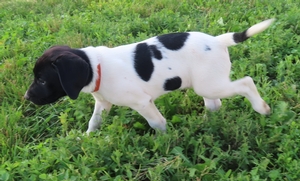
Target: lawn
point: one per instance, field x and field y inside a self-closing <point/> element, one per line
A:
<point x="234" y="143"/>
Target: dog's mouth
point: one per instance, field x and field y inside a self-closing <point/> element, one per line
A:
<point x="40" y="101"/>
<point x="35" y="101"/>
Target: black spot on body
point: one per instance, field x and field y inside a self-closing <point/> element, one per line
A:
<point x="240" y="37"/>
<point x="172" y="84"/>
<point x="207" y="48"/>
<point x="143" y="62"/>
<point x="173" y="41"/>
<point x="155" y="52"/>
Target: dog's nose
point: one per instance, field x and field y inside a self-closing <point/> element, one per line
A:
<point x="26" y="96"/>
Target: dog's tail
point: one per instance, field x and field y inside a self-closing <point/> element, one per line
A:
<point x="230" y="39"/>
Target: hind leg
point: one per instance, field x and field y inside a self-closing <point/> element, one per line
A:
<point x="223" y="88"/>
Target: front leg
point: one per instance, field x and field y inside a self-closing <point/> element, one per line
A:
<point x="148" y="110"/>
<point x="96" y="118"/>
<point x="212" y="104"/>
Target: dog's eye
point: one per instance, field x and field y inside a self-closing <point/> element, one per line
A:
<point x="41" y="81"/>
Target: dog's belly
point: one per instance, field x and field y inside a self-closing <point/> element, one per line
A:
<point x="125" y="89"/>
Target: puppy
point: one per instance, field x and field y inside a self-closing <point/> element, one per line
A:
<point x="135" y="75"/>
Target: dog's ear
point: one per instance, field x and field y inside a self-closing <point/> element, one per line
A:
<point x="73" y="73"/>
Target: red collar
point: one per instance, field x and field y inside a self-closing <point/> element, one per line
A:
<point x="97" y="86"/>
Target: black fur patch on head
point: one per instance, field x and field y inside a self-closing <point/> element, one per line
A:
<point x="207" y="48"/>
<point x="240" y="37"/>
<point x="57" y="67"/>
<point x="143" y="62"/>
<point x="155" y="52"/>
<point x="172" y="84"/>
<point x="46" y="87"/>
<point x="173" y="41"/>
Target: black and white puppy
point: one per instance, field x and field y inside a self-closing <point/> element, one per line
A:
<point x="135" y="75"/>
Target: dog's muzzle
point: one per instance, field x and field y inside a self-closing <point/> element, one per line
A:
<point x="26" y="96"/>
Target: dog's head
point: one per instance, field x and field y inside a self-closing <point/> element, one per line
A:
<point x="60" y="71"/>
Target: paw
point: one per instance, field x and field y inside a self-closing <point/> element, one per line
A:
<point x="212" y="104"/>
<point x="158" y="125"/>
<point x="262" y="108"/>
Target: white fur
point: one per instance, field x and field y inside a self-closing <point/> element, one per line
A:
<point x="207" y="72"/>
<point x="253" y="30"/>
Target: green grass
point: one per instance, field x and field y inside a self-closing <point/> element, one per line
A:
<point x="235" y="143"/>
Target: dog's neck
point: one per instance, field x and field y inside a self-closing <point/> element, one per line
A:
<point x="95" y="64"/>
